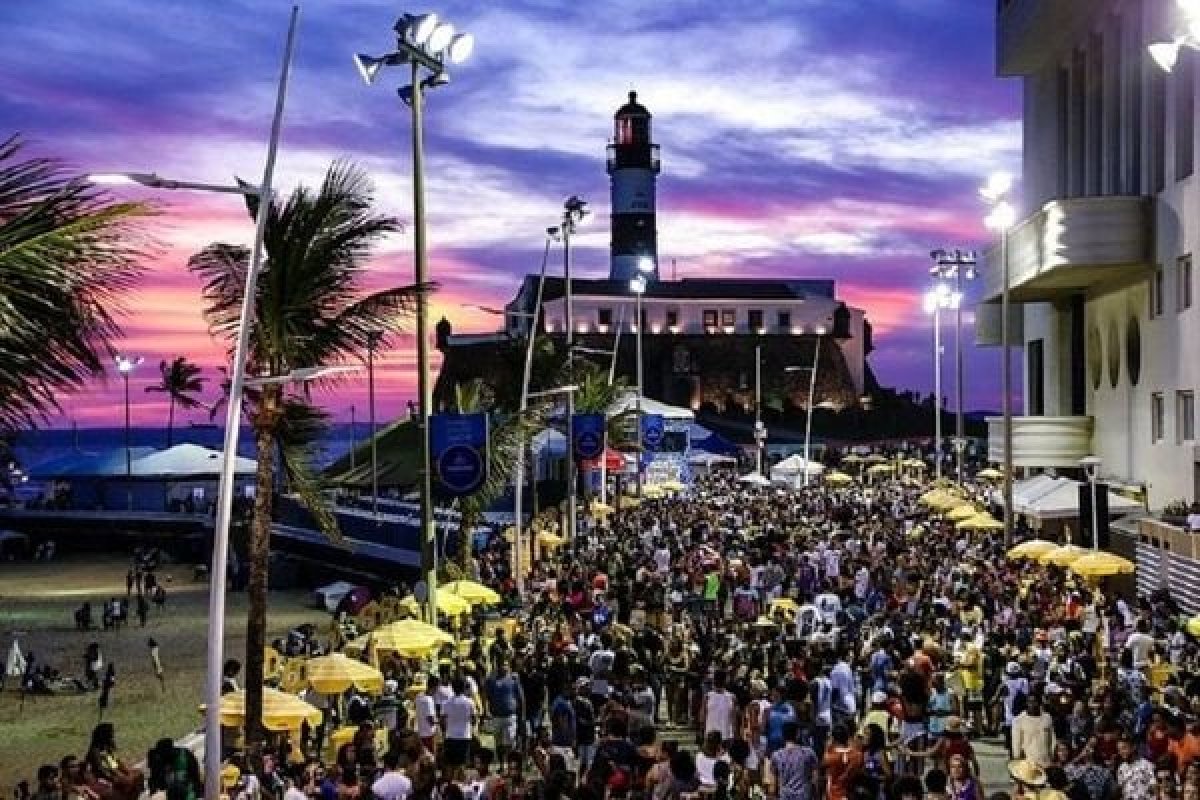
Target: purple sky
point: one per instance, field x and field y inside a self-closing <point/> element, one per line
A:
<point x="801" y="138"/>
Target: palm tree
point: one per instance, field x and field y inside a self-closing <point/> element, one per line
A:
<point x="310" y="311"/>
<point x="180" y="380"/>
<point x="507" y="433"/>
<point x="67" y="253"/>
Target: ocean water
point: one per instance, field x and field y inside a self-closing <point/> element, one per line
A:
<point x="35" y="446"/>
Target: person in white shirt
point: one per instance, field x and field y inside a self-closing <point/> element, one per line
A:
<point x="1033" y="734"/>
<point x="845" y="693"/>
<point x="426" y="711"/>
<point x="458" y="721"/>
<point x="1141" y="644"/>
<point x="719" y="709"/>
<point x="392" y="784"/>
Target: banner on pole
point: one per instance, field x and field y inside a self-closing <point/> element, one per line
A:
<point x="459" y="452"/>
<point x="654" y="429"/>
<point x="589" y="435"/>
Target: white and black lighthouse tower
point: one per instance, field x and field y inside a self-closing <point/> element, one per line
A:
<point x="633" y="166"/>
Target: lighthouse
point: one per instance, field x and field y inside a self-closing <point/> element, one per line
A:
<point x="633" y="169"/>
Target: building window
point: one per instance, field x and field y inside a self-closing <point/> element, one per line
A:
<point x="728" y="318"/>
<point x="1156" y="293"/>
<point x="1158" y="417"/>
<point x="785" y="320"/>
<point x="1035" y="359"/>
<point x="673" y="318"/>
<point x="1183" y="283"/>
<point x="1185" y="416"/>
<point x="1185" y="111"/>
<point x="604" y="317"/>
<point x="754" y="318"/>
<point x="710" y="318"/>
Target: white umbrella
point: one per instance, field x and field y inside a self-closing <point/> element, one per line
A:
<point x="14" y="665"/>
<point x="754" y="479"/>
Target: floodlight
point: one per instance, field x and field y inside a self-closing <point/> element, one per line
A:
<point x="999" y="184"/>
<point x="638" y="285"/>
<point x="645" y="264"/>
<point x="1002" y="217"/>
<point x="460" y="48"/>
<point x="1165" y="54"/>
<point x="368" y="66"/>
<point x="440" y="38"/>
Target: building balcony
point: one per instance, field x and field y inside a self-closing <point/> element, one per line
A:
<point x="1027" y="32"/>
<point x="1042" y="441"/>
<point x="1072" y="244"/>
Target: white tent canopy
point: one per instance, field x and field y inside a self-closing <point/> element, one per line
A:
<point x="1062" y="502"/>
<point x="702" y="459"/>
<point x="796" y="465"/>
<point x="187" y="461"/>
<point x="629" y="402"/>
<point x="754" y="479"/>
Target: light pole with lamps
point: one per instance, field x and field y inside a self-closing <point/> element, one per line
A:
<point x="1091" y="466"/>
<point x="233" y="410"/>
<point x="574" y="210"/>
<point x="812" y="396"/>
<point x="427" y="43"/>
<point x="1000" y="219"/>
<point x="126" y="365"/>
<point x="936" y="299"/>
<point x="958" y="266"/>
<point x="373" y="339"/>
<point x="638" y="285"/>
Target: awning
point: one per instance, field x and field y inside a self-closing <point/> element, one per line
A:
<point x="1061" y="501"/>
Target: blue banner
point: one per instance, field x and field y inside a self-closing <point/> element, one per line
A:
<point x="458" y="447"/>
<point x="654" y="429"/>
<point x="588" y="430"/>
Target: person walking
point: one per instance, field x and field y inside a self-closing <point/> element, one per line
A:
<point x="791" y="771"/>
<point x="156" y="663"/>
<point x="458" y="722"/>
<point x="106" y="687"/>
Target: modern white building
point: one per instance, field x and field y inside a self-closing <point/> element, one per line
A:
<point x="1101" y="258"/>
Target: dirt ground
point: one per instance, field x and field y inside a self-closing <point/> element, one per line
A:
<point x="37" y="601"/>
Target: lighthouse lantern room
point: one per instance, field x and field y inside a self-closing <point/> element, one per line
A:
<point x="633" y="166"/>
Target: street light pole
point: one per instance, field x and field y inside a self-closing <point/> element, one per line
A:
<point x="1091" y="467"/>
<point x="126" y="365"/>
<point x="574" y="210"/>
<point x="812" y="396"/>
<point x="372" y="342"/>
<point x="527" y="374"/>
<point x="759" y="438"/>
<point x="639" y="288"/>
<point x="353" y="437"/>
<point x="960" y="266"/>
<point x="1000" y="219"/>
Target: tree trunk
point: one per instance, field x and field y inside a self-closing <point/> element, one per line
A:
<point x="170" y="420"/>
<point x="258" y="553"/>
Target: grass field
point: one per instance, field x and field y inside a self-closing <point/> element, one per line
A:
<point x="37" y="601"/>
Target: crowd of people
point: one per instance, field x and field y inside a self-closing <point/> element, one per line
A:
<point x="739" y="642"/>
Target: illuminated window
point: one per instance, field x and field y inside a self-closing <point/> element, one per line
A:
<point x="710" y="318"/>
<point x="728" y="318"/>
<point x="672" y="318"/>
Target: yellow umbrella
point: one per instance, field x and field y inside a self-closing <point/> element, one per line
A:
<point x="673" y="486"/>
<point x="874" y="458"/>
<point x="598" y="509"/>
<point x="980" y="522"/>
<point x="961" y="512"/>
<point x="335" y="673"/>
<point x="989" y="474"/>
<point x="1064" y="555"/>
<point x="935" y="497"/>
<point x="853" y="458"/>
<point x="783" y="604"/>
<point x="281" y="711"/>
<point x="946" y="502"/>
<point x="653" y="492"/>
<point x="449" y="604"/>
<point x="1097" y="564"/>
<point x="408" y="637"/>
<point x="838" y="478"/>
<point x="879" y="469"/>
<point x="548" y="539"/>
<point x="916" y="532"/>
<point x="914" y="463"/>
<point x="1034" y="548"/>
<point x="474" y="593"/>
<point x="1193" y="626"/>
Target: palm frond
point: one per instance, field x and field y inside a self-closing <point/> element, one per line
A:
<point x="67" y="254"/>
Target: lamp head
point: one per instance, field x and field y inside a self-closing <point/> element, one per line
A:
<point x="460" y="48"/>
<point x="638" y="285"/>
<point x="416" y="28"/>
<point x="646" y="264"/>
<point x="368" y="67"/>
<point x="126" y="364"/>
<point x="1001" y="218"/>
<point x="1165" y="54"/>
<point x="1091" y="465"/>
<point x="440" y="38"/>
<point x="819" y="330"/>
<point x="998" y="186"/>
